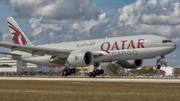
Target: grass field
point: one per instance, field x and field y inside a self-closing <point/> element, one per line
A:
<point x="87" y="91"/>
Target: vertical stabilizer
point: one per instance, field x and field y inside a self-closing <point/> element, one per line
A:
<point x="18" y="36"/>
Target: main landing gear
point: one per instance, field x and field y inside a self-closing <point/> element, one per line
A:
<point x="96" y="71"/>
<point x="68" y="71"/>
<point x="158" y="62"/>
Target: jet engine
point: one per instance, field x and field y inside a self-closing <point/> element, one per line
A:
<point x="80" y="58"/>
<point x="130" y="63"/>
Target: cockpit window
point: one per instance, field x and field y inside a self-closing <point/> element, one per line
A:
<point x="169" y="41"/>
<point x="165" y="41"/>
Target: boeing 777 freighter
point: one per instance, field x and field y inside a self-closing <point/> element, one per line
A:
<point x="128" y="51"/>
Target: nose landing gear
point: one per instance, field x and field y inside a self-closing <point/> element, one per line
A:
<point x="158" y="62"/>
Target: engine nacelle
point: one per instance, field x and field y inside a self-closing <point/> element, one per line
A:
<point x="80" y="58"/>
<point x="130" y="63"/>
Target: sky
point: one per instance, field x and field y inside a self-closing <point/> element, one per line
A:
<point x="53" y="21"/>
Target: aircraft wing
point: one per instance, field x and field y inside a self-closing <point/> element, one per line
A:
<point x="10" y="53"/>
<point x="34" y="50"/>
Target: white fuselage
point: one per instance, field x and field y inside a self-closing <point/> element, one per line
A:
<point x="113" y="49"/>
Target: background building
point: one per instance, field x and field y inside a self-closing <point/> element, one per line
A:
<point x="168" y="70"/>
<point x="16" y="63"/>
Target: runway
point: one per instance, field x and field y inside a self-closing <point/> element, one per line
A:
<point x="93" y="79"/>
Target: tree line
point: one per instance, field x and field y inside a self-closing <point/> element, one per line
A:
<point x="116" y="69"/>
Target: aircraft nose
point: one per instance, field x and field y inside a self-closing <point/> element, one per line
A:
<point x="174" y="46"/>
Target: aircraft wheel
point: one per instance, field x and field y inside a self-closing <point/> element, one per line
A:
<point x="90" y="74"/>
<point x="101" y="71"/>
<point x="158" y="66"/>
<point x="97" y="72"/>
<point x="94" y="73"/>
<point x="65" y="73"/>
<point x="73" y="70"/>
<point x="62" y="73"/>
<point x="69" y="71"/>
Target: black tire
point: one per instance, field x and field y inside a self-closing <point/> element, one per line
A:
<point x="94" y="73"/>
<point x="73" y="70"/>
<point x="101" y="71"/>
<point x="90" y="74"/>
<point x="62" y="73"/>
<point x="97" y="72"/>
<point x="69" y="71"/>
<point x="158" y="66"/>
<point x="65" y="73"/>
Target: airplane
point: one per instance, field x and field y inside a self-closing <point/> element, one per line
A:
<point x="128" y="51"/>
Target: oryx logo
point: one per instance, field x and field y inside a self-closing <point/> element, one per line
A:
<point x="76" y="58"/>
<point x="17" y="36"/>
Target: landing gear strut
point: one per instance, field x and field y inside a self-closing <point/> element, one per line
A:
<point x="158" y="62"/>
<point x="68" y="71"/>
<point x="96" y="71"/>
